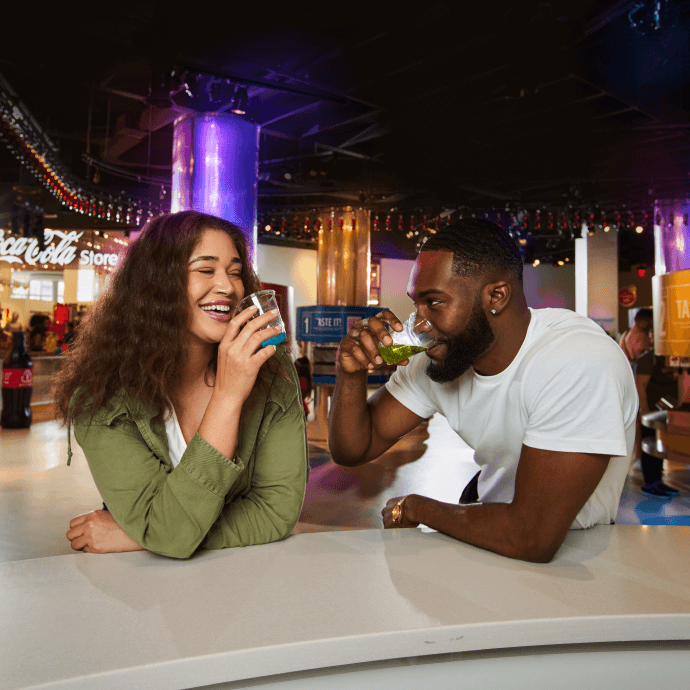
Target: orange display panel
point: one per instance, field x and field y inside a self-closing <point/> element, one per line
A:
<point x="673" y="338"/>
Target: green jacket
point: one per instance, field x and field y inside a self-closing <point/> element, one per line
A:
<point x="207" y="501"/>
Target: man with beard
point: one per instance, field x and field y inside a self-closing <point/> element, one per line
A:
<point x="543" y="396"/>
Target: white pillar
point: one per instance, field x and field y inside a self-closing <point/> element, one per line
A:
<point x="71" y="278"/>
<point x="596" y="277"/>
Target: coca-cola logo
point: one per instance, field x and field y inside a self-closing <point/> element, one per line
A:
<point x="17" y="250"/>
<point x="17" y="378"/>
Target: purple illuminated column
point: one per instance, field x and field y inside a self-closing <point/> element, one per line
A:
<point x="215" y="168"/>
<point x="671" y="235"/>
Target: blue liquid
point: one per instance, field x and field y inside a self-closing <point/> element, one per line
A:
<point x="275" y="340"/>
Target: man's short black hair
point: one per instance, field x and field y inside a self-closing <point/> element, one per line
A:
<point x="478" y="246"/>
<point x="644" y="314"/>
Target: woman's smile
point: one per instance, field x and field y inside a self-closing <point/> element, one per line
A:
<point x="219" y="310"/>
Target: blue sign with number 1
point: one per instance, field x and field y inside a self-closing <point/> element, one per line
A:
<point x="322" y="324"/>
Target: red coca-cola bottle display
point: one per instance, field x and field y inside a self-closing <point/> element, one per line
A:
<point x="17" y="380"/>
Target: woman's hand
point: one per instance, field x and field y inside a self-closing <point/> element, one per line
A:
<point x="359" y="351"/>
<point x="240" y="355"/>
<point x="97" y="532"/>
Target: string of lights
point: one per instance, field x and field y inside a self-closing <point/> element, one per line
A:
<point x="544" y="233"/>
<point x="33" y="148"/>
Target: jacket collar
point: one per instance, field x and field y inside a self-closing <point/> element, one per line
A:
<point x="156" y="438"/>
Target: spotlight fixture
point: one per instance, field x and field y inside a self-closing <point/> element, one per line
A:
<point x="591" y="230"/>
<point x="536" y="262"/>
<point x="639" y="229"/>
<point x="239" y="102"/>
<point x="607" y="228"/>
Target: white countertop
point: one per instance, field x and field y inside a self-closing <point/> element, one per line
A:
<point x="139" y="620"/>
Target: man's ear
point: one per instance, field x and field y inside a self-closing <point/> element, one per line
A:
<point x="497" y="296"/>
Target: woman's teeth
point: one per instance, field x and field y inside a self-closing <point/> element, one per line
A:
<point x="217" y="307"/>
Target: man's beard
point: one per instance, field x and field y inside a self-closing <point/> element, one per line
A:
<point x="464" y="349"/>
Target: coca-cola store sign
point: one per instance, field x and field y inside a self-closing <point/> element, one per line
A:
<point x="60" y="250"/>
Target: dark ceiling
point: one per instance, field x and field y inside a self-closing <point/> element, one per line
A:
<point x="513" y="104"/>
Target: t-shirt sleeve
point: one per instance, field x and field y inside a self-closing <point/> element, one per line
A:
<point x="580" y="397"/>
<point x="410" y="386"/>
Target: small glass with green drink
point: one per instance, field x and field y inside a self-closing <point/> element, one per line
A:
<point x="416" y="336"/>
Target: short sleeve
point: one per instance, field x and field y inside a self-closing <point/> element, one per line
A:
<point x="411" y="387"/>
<point x="580" y="396"/>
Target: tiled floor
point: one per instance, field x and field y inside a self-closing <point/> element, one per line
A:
<point x="39" y="494"/>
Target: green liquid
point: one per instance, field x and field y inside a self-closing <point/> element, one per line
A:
<point x="393" y="354"/>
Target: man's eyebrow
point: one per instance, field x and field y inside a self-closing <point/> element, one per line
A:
<point x="234" y="260"/>
<point x="425" y="293"/>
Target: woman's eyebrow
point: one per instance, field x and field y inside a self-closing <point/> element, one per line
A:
<point x="234" y="260"/>
<point x="204" y="258"/>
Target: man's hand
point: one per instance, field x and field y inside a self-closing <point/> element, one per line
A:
<point x="358" y="350"/>
<point x="550" y="490"/>
<point x="97" y="532"/>
<point x="387" y="514"/>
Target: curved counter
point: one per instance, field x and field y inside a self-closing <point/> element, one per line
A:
<point x="395" y="608"/>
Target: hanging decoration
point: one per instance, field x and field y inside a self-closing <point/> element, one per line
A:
<point x="36" y="152"/>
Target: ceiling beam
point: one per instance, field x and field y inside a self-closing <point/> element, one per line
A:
<point x="297" y="111"/>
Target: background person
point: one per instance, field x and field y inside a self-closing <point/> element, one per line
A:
<point x="544" y="397"/>
<point x="194" y="433"/>
<point x="70" y="333"/>
<point x="653" y="381"/>
<point x="637" y="340"/>
<point x="38" y="325"/>
<point x="634" y="342"/>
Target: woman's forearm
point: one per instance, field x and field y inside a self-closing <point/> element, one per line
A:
<point x="220" y="424"/>
<point x="272" y="507"/>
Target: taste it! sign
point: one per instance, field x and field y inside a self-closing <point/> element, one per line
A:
<point x="673" y="339"/>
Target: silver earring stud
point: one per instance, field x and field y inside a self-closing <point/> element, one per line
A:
<point x="493" y="311"/>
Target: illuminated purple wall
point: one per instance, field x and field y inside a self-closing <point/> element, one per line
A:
<point x="671" y="236"/>
<point x="215" y="168"/>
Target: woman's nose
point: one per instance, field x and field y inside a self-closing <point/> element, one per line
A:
<point x="224" y="284"/>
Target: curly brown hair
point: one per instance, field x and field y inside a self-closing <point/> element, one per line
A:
<point x="132" y="339"/>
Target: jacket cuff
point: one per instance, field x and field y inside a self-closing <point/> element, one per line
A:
<point x="209" y="467"/>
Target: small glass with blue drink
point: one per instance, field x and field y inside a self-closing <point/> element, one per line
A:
<point x="265" y="300"/>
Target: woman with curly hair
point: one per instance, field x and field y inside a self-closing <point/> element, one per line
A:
<point x="193" y="431"/>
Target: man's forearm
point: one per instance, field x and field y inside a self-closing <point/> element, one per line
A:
<point x="491" y="526"/>
<point x="349" y="427"/>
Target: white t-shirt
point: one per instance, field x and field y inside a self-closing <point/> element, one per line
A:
<point x="176" y="443"/>
<point x="570" y="388"/>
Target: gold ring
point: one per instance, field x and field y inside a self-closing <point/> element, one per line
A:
<point x="397" y="512"/>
